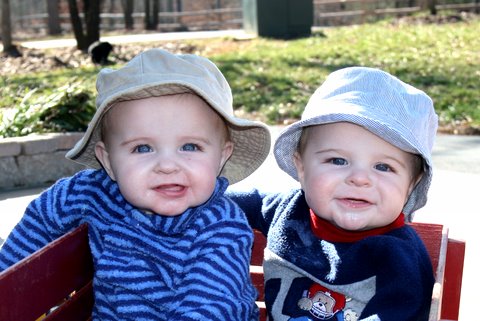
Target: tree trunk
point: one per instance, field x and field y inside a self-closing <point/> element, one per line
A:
<point x="156" y="7"/>
<point x="147" y="15"/>
<point x="6" y="25"/>
<point x="151" y="14"/>
<point x="53" y="18"/>
<point x="91" y="11"/>
<point x="92" y="21"/>
<point x="8" y="47"/>
<point x="429" y="5"/>
<point x="432" y="6"/>
<point x="77" y="24"/>
<point x="127" y="12"/>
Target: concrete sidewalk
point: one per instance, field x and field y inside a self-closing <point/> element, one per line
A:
<point x="146" y="37"/>
<point x="452" y="202"/>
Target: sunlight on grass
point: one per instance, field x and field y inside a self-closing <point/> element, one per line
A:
<point x="272" y="79"/>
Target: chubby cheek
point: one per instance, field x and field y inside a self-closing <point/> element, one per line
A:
<point x="316" y="182"/>
<point x="127" y="191"/>
<point x="398" y="192"/>
<point x="316" y="195"/>
<point x="204" y="193"/>
<point x="205" y="183"/>
<point x="131" y="179"/>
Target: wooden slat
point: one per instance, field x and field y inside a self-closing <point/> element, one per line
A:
<point x="432" y="236"/>
<point x="259" y="244"/>
<point x="41" y="281"/>
<point x="256" y="274"/>
<point x="453" y="279"/>
<point x="263" y="310"/>
<point x="435" y="238"/>
<point x="256" y="271"/>
<point x="77" y="308"/>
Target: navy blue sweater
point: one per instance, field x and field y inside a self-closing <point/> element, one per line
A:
<point x="193" y="266"/>
<point x="314" y="271"/>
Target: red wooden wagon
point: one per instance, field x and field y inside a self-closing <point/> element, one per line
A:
<point x="60" y="275"/>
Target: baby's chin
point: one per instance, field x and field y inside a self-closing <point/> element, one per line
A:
<point x="162" y="212"/>
<point x="354" y="222"/>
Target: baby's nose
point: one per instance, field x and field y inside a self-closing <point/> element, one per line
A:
<point x="359" y="177"/>
<point x="166" y="162"/>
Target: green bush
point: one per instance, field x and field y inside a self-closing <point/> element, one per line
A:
<point x="67" y="109"/>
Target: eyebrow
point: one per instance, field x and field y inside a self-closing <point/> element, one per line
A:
<point x="328" y="150"/>
<point x="380" y="156"/>
<point x="133" y="140"/>
<point x="207" y="141"/>
<point x="397" y="161"/>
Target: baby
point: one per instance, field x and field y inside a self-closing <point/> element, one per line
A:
<point x="166" y="242"/>
<point x="338" y="248"/>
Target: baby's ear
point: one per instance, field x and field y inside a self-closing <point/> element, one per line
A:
<point x="297" y="160"/>
<point x="226" y="153"/>
<point x="414" y="183"/>
<point x="104" y="158"/>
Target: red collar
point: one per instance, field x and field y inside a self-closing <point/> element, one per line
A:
<point x="329" y="232"/>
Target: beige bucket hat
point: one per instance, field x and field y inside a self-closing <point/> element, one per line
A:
<point x="157" y="72"/>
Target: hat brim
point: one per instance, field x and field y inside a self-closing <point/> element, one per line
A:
<point x="251" y="139"/>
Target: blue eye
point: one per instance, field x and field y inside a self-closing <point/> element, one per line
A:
<point x="338" y="161"/>
<point x="142" y="149"/>
<point x="190" y="147"/>
<point x="383" y="167"/>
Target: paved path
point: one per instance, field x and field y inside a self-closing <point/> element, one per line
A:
<point x="147" y="37"/>
<point x="452" y="201"/>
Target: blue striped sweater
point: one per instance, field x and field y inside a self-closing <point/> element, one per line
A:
<point x="194" y="266"/>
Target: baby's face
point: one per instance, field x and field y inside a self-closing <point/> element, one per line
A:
<point x="165" y="152"/>
<point x="353" y="178"/>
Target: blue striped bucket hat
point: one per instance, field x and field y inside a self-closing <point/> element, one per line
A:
<point x="389" y="108"/>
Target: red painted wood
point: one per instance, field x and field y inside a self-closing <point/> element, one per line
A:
<point x="77" y="308"/>
<point x="44" y="279"/>
<point x="259" y="244"/>
<point x="453" y="279"/>
<point x="431" y="235"/>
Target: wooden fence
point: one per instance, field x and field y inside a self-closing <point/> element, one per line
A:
<point x="211" y="19"/>
<point x="326" y="13"/>
<point x="346" y="12"/>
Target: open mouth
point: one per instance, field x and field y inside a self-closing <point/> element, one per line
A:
<point x="171" y="189"/>
<point x="355" y="202"/>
